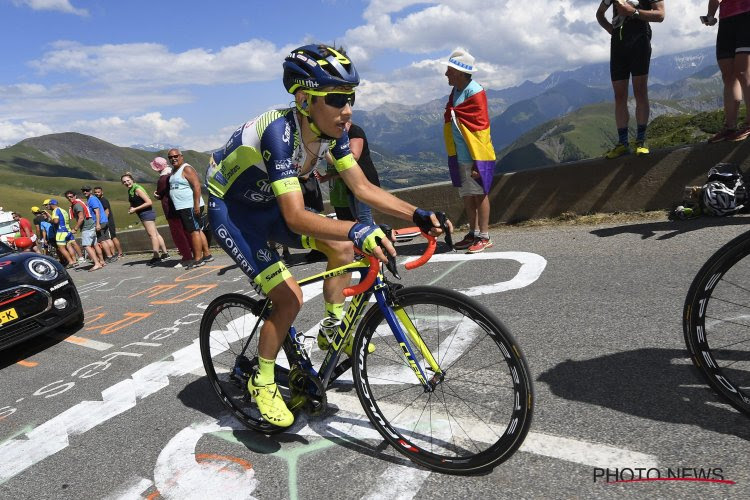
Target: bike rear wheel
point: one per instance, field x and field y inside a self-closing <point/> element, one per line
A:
<point x="226" y="329"/>
<point x="716" y="322"/>
<point x="477" y="415"/>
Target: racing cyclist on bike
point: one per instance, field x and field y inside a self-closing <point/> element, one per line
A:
<point x="255" y="197"/>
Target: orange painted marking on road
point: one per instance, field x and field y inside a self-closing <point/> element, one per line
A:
<point x="153" y="495"/>
<point x="96" y="317"/>
<point x="196" y="273"/>
<point x="154" y="290"/>
<point x="204" y="457"/>
<point x="129" y="319"/>
<point x="27" y="364"/>
<point x="192" y="291"/>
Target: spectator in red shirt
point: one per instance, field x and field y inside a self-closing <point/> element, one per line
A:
<point x="26" y="229"/>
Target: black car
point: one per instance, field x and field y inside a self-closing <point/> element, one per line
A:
<point x="36" y="296"/>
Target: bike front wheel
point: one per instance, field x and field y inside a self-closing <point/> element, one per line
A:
<point x="716" y="322"/>
<point x="480" y="409"/>
<point x="229" y="349"/>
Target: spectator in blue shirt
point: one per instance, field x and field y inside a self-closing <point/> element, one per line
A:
<point x="103" y="238"/>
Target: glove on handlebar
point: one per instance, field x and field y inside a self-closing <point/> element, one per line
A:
<point x="366" y="238"/>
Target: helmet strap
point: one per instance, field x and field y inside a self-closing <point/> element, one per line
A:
<point x="305" y="111"/>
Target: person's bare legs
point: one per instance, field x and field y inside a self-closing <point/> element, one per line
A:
<point x="471" y="213"/>
<point x="622" y="115"/>
<point x="157" y="242"/>
<point x="732" y="92"/>
<point x="482" y="202"/>
<point x="287" y="301"/>
<point x="339" y="253"/>
<point x="640" y="93"/>
<point x="742" y="75"/>
<point x="204" y="244"/>
<point x="98" y="264"/>
<point x="66" y="255"/>
<point x="76" y="250"/>
<point x="116" y="242"/>
<point x="197" y="245"/>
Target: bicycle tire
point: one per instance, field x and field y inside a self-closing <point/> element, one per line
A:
<point x="716" y="322"/>
<point x="477" y="354"/>
<point x="227" y="322"/>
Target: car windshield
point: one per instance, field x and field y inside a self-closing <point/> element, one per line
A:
<point x="5" y="248"/>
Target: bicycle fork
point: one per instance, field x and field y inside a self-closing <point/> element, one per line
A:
<point x="396" y="317"/>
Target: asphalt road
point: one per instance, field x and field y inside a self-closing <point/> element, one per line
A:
<point x="122" y="408"/>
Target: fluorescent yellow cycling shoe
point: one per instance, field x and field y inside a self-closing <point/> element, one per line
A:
<point x="641" y="149"/>
<point x="619" y="150"/>
<point x="271" y="404"/>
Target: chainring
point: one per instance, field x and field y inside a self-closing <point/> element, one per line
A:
<point x="306" y="393"/>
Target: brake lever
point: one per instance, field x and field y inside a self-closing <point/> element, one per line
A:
<point x="443" y="220"/>
<point x="391" y="264"/>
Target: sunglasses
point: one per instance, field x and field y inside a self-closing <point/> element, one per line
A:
<point x="335" y="99"/>
<point x="173" y="157"/>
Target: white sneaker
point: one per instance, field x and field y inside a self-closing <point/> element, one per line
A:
<point x="81" y="259"/>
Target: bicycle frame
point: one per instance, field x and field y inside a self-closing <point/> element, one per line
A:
<point x="330" y="369"/>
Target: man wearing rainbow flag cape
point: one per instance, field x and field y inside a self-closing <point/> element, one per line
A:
<point x="471" y="157"/>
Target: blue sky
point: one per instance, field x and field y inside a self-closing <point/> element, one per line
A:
<point x="190" y="72"/>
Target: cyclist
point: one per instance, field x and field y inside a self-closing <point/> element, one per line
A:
<point x="255" y="197"/>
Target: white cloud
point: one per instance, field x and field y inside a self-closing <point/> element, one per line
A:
<point x="58" y="5"/>
<point x="11" y="133"/>
<point x="146" y="128"/>
<point x="153" y="65"/>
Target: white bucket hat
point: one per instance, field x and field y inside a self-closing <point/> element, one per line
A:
<point x="461" y="60"/>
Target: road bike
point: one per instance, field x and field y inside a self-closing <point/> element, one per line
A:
<point x="447" y="385"/>
<point x="716" y="322"/>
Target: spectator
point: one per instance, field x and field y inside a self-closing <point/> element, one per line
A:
<point x="37" y="220"/>
<point x="81" y="219"/>
<point x="471" y="157"/>
<point x="26" y="230"/>
<point x="361" y="151"/>
<point x="141" y="205"/>
<point x="48" y="235"/>
<point x="185" y="191"/>
<point x="64" y="238"/>
<point x="630" y="55"/>
<point x="99" y="193"/>
<point x="733" y="57"/>
<point x="338" y="193"/>
<point x="180" y="238"/>
<point x="101" y="224"/>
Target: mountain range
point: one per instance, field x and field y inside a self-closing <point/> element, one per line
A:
<point x="567" y="116"/>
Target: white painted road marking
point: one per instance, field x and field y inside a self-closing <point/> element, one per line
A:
<point x="532" y="266"/>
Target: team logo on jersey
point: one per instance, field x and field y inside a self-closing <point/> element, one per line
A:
<point x="231" y="247"/>
<point x="220" y="178"/>
<point x="264" y="255"/>
<point x="264" y="185"/>
<point x="264" y="193"/>
<point x="282" y="165"/>
<point x="287" y="133"/>
<point x="266" y="155"/>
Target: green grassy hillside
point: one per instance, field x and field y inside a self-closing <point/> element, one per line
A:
<point x="589" y="132"/>
<point x="17" y="195"/>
